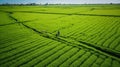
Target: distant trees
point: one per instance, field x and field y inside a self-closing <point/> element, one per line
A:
<point x="111" y="3"/>
<point x="32" y="4"/>
<point x="46" y="4"/>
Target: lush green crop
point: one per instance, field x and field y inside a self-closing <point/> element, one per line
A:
<point x="89" y="36"/>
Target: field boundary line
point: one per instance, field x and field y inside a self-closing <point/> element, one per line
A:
<point x="69" y="14"/>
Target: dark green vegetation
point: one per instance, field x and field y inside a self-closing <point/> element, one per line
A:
<point x="89" y="36"/>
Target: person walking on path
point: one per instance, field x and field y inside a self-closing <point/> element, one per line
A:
<point x="58" y="34"/>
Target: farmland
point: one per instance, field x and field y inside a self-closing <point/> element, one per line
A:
<point x="89" y="36"/>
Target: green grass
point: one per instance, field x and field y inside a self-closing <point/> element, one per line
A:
<point x="89" y="36"/>
<point x="4" y="18"/>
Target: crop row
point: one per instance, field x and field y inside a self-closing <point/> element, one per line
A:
<point x="102" y="33"/>
<point x="44" y="52"/>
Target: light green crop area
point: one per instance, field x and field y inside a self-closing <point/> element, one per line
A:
<point x="4" y="18"/>
<point x="60" y="36"/>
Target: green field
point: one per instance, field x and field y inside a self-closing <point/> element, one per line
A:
<point x="89" y="36"/>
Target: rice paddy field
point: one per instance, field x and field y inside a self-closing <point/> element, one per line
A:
<point x="89" y="36"/>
